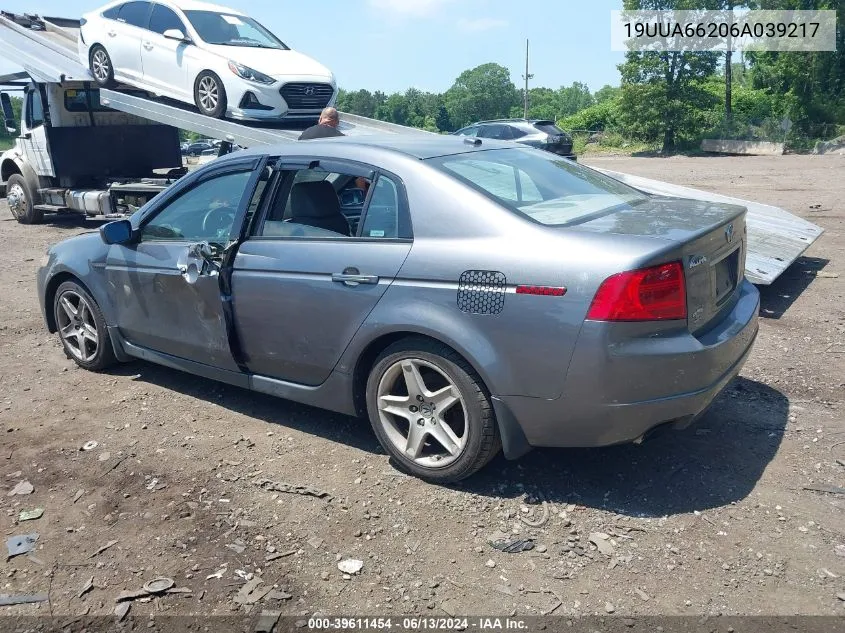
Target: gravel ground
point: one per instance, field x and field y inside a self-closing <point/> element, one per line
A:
<point x="712" y="520"/>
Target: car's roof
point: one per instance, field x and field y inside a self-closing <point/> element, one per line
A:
<point x="419" y="147"/>
<point x="195" y="5"/>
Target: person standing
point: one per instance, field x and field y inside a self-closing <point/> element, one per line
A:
<point x="326" y="126"/>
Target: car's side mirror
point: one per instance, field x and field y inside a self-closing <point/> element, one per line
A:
<point x="176" y="34"/>
<point x="119" y="232"/>
<point x="8" y="113"/>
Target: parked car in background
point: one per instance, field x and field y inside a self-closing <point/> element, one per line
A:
<point x="219" y="59"/>
<point x="198" y="147"/>
<point x="479" y="295"/>
<point x="545" y="135"/>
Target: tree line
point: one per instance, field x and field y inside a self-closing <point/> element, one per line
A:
<point x="669" y="99"/>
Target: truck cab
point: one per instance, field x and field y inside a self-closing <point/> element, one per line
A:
<point x="74" y="154"/>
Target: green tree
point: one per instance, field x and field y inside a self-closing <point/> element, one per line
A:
<point x="662" y="92"/>
<point x="606" y="93"/>
<point x="484" y="92"/>
<point x="573" y="99"/>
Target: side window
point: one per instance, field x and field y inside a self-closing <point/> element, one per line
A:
<point x="503" y="181"/>
<point x="469" y="131"/>
<point x="486" y="131"/>
<point x="135" y="13"/>
<point x="382" y="216"/>
<point x="112" y="13"/>
<point x="517" y="133"/>
<point x="34" y="110"/>
<point x="164" y="19"/>
<point x="204" y="213"/>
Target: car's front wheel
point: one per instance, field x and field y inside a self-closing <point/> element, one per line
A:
<point x="210" y="95"/>
<point x="101" y="66"/>
<point x="21" y="200"/>
<point x="431" y="412"/>
<point x="82" y="328"/>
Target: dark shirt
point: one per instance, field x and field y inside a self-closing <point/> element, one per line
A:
<point x="320" y="131"/>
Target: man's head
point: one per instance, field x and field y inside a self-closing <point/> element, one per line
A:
<point x="330" y="117"/>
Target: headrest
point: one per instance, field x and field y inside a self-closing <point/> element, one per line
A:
<point x="314" y="200"/>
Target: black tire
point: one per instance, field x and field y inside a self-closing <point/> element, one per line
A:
<point x="204" y="80"/>
<point x="483" y="441"/>
<point x="23" y="209"/>
<point x="101" y="67"/>
<point x="104" y="356"/>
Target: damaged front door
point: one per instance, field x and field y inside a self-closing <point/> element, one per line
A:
<point x="166" y="285"/>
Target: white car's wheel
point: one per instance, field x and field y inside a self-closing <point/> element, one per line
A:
<point x="101" y="67"/>
<point x="210" y="95"/>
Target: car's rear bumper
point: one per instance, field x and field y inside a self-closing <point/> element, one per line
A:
<point x="618" y="390"/>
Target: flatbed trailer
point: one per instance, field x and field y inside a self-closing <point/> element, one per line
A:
<point x="46" y="49"/>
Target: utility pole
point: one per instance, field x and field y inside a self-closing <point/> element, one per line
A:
<point x="729" y="69"/>
<point x="526" y="77"/>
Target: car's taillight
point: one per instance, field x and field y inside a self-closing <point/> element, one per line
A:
<point x="651" y="294"/>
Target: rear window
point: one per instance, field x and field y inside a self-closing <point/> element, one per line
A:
<point x="135" y="13"/>
<point x="547" y="189"/>
<point x="548" y="127"/>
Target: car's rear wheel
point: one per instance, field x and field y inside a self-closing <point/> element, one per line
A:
<point x="210" y="95"/>
<point x="101" y="66"/>
<point x="431" y="412"/>
<point x="82" y="328"/>
<point x="21" y="200"/>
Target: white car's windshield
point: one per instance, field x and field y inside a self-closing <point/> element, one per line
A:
<point x="546" y="188"/>
<point x="228" y="29"/>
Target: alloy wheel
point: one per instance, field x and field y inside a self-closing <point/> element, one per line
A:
<point x="209" y="94"/>
<point x="77" y="326"/>
<point x="100" y="65"/>
<point x="422" y="413"/>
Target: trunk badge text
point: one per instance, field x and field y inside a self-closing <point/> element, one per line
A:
<point x="696" y="261"/>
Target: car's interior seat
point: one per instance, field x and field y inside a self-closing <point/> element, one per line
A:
<point x="316" y="204"/>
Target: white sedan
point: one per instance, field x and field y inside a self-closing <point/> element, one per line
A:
<point x="219" y="59"/>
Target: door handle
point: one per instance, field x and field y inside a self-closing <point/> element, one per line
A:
<point x="112" y="33"/>
<point x="148" y="46"/>
<point x="352" y="278"/>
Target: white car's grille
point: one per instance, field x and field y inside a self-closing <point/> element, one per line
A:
<point x="307" y="96"/>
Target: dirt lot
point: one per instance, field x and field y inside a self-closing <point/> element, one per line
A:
<point x="710" y="520"/>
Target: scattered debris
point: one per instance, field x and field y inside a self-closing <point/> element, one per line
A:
<point x="508" y="591"/>
<point x="238" y="547"/>
<point x="104" y="457"/>
<point x="315" y="542"/>
<point x="514" y="546"/>
<point x="21" y="544"/>
<point x="544" y="518"/>
<point x="90" y="445"/>
<point x="104" y="548"/>
<point x="350" y="566"/>
<point x="240" y="573"/>
<point x="267" y="621"/>
<point x="31" y="515"/>
<point x="839" y="550"/>
<point x="88" y="586"/>
<point x="125" y="596"/>
<point x="252" y="591"/>
<point x="834" y="490"/>
<point x="159" y="585"/>
<point x="609" y="608"/>
<point x="822" y="274"/>
<point x="219" y="573"/>
<point x="841" y="596"/>
<point x="841" y="462"/>
<point x="121" y="610"/>
<point x="642" y="594"/>
<point x="602" y="542"/>
<point x="153" y="483"/>
<point x="78" y="495"/>
<point x="276" y="555"/>
<point x="277" y="594"/>
<point x="281" y="486"/>
<point x="490" y="563"/>
<point x="22" y="488"/>
<point x="7" y="600"/>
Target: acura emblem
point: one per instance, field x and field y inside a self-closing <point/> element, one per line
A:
<point x="310" y="90"/>
<point x="729" y="233"/>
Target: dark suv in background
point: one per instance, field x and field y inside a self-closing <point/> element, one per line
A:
<point x="536" y="133"/>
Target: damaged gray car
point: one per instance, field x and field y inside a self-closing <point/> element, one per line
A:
<point x="463" y="295"/>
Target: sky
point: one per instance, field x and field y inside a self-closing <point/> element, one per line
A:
<point x="392" y="45"/>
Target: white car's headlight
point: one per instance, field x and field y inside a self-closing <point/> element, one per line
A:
<point x="245" y="72"/>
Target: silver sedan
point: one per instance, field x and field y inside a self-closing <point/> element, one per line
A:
<point x="464" y="295"/>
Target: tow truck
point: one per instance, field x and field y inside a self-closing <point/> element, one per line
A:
<point x="91" y="151"/>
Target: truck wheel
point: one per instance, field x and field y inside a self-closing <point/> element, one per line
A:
<point x="82" y="328"/>
<point x="21" y="199"/>
<point x="210" y="95"/>
<point x="101" y="66"/>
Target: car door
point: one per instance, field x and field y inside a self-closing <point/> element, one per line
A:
<point x="34" y="139"/>
<point x="123" y="36"/>
<point x="300" y="293"/>
<point x="167" y="294"/>
<point x="164" y="61"/>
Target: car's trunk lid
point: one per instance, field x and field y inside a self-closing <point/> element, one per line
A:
<point x="712" y="245"/>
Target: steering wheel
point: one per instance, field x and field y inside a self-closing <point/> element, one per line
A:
<point x="217" y="219"/>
